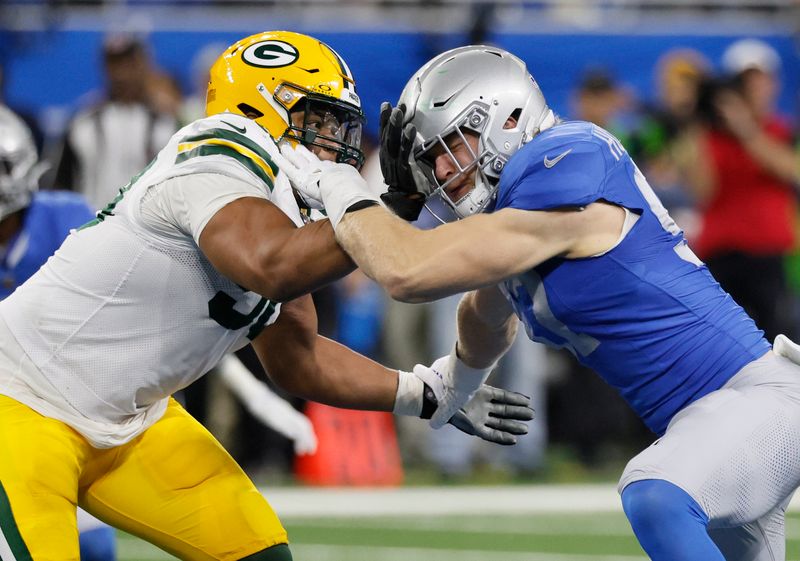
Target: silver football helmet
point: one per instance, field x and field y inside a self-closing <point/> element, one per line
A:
<point x="19" y="171"/>
<point x="479" y="89"/>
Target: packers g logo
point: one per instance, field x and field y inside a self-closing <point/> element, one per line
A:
<point x="270" y="54"/>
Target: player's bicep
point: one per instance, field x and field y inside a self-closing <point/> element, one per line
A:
<point x="532" y="237"/>
<point x="479" y="251"/>
<point x="512" y="241"/>
<point x="239" y="235"/>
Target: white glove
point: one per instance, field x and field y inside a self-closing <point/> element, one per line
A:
<point x="267" y="407"/>
<point x="453" y="383"/>
<point x="304" y="170"/>
<point x="336" y="186"/>
<point x="493" y="414"/>
<point x="785" y="347"/>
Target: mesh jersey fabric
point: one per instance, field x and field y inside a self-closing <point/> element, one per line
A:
<point x="129" y="310"/>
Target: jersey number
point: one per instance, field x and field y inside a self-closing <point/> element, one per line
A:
<point x="529" y="299"/>
<point x="221" y="310"/>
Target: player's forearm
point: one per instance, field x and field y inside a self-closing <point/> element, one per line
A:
<point x="344" y="378"/>
<point x="486" y="327"/>
<point x="413" y="265"/>
<point x="309" y="259"/>
<point x="384" y="247"/>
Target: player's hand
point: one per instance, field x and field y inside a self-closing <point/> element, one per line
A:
<point x="304" y="171"/>
<point x="336" y="186"/>
<point x="495" y="415"/>
<point x="453" y="384"/>
<point x="395" y="152"/>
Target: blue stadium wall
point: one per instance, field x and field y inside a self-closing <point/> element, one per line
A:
<point x="57" y="68"/>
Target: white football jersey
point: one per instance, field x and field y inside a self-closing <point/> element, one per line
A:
<point x="129" y="310"/>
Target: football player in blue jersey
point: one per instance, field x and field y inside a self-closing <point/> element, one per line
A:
<point x="33" y="224"/>
<point x="551" y="222"/>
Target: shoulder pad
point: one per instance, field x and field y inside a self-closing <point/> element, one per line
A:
<point x="232" y="137"/>
<point x="565" y="166"/>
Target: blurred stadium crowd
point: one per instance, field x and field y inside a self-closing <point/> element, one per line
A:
<point x="707" y="110"/>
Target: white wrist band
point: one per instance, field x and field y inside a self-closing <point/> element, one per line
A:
<point x="461" y="371"/>
<point x="408" y="400"/>
<point x="341" y="187"/>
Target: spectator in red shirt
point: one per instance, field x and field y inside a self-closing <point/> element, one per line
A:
<point x="745" y="186"/>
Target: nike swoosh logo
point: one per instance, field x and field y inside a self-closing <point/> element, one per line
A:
<point x="548" y="163"/>
<point x="242" y="130"/>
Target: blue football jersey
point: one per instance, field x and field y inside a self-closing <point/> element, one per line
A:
<point x="47" y="221"/>
<point x="647" y="315"/>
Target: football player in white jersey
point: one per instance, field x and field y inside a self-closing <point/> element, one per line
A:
<point x="200" y="254"/>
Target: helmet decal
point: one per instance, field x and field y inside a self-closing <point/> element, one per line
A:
<point x="270" y="54"/>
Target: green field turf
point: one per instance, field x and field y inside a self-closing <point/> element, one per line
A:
<point x="561" y="537"/>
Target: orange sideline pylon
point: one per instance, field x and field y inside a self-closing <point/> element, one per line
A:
<point x="355" y="448"/>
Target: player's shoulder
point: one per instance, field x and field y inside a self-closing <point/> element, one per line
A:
<point x="230" y="126"/>
<point x="227" y="138"/>
<point x="564" y="133"/>
<point x="552" y="146"/>
<point x="562" y="166"/>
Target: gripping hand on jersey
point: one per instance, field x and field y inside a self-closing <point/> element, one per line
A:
<point x="323" y="183"/>
<point x="395" y="153"/>
<point x="267" y="407"/>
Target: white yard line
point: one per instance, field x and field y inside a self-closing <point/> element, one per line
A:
<point x="324" y="552"/>
<point x="438" y="501"/>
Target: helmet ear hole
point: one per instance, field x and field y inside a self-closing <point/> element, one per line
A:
<point x="249" y="111"/>
<point x="513" y="119"/>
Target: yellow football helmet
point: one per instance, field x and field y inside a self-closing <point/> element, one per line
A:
<point x="270" y="76"/>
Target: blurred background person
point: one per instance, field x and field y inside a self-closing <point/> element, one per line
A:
<point x="113" y="138"/>
<point x="746" y="195"/>
<point x="666" y="139"/>
<point x="193" y="106"/>
<point x="599" y="99"/>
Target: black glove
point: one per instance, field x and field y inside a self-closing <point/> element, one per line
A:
<point x="396" y="144"/>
